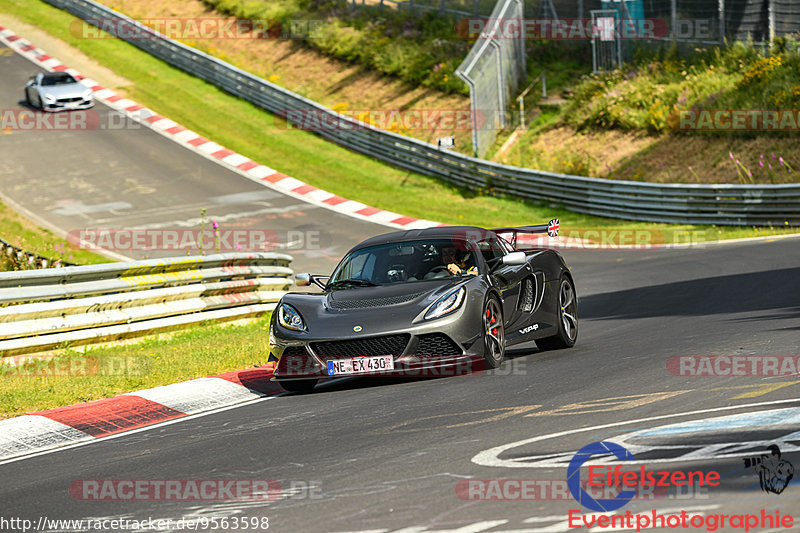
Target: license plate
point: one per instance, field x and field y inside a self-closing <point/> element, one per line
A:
<point x="361" y="365"/>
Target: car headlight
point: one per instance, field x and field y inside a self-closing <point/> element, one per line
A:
<point x="87" y="94"/>
<point x="49" y="98"/>
<point x="446" y="304"/>
<point x="272" y="341"/>
<point x="290" y="318"/>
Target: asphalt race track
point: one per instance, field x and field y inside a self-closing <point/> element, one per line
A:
<point x="123" y="175"/>
<point x="394" y="455"/>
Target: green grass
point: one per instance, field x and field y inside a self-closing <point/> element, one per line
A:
<point x="422" y="48"/>
<point x="100" y="372"/>
<point x="20" y="232"/>
<point x="255" y="133"/>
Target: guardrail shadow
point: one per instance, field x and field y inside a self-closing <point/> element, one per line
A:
<point x="773" y="290"/>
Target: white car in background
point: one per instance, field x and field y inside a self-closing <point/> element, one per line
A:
<point x="57" y="91"/>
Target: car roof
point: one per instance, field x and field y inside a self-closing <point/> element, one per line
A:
<point x="438" y="232"/>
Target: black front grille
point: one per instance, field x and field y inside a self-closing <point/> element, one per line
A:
<point x="69" y="100"/>
<point x="386" y="345"/>
<point x="294" y="350"/>
<point x="375" y="302"/>
<point x="437" y="344"/>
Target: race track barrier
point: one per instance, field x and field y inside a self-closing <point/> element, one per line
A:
<point x="760" y="205"/>
<point x="44" y="309"/>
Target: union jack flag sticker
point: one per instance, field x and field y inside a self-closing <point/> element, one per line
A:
<point x="552" y="228"/>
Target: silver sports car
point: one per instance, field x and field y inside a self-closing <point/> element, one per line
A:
<point x="57" y="91"/>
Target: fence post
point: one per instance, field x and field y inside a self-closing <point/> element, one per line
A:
<point x="501" y="101"/>
<point x="771" y="14"/>
<point x="722" y="21"/>
<point x="544" y="85"/>
<point x="475" y="7"/>
<point x="675" y="18"/>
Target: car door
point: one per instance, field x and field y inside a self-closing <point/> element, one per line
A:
<point x="507" y="278"/>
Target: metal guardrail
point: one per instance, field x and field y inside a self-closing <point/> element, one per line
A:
<point x="43" y="309"/>
<point x="651" y="202"/>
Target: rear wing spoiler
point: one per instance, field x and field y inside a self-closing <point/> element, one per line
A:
<point x="551" y="229"/>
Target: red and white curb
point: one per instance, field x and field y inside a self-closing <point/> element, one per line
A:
<point x="64" y="426"/>
<point x="238" y="163"/>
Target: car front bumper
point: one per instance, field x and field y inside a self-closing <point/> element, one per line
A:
<point x="67" y="106"/>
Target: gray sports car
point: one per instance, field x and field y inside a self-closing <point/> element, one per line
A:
<point x="435" y="301"/>
<point x="57" y="91"/>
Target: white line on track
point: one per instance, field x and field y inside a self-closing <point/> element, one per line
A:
<point x="491" y="457"/>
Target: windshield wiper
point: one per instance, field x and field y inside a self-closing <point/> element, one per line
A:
<point x="353" y="281"/>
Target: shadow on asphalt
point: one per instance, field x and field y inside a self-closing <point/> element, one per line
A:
<point x="738" y="293"/>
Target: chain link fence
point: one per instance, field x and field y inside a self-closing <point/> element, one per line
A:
<point x="454" y="7"/>
<point x="494" y="70"/>
<point x="695" y="21"/>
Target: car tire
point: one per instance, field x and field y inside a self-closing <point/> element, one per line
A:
<point x="28" y="99"/>
<point x="494" y="341"/>
<point x="567" y="307"/>
<point x="297" y="385"/>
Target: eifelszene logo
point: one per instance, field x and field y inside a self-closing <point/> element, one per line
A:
<point x="574" y="476"/>
<point x="774" y="473"/>
<point x="600" y="475"/>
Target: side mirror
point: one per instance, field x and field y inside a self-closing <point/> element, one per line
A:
<point x="304" y="279"/>
<point x="515" y="259"/>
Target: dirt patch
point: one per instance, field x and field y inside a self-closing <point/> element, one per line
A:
<point x="336" y="84"/>
<point x="70" y="56"/>
<point x="623" y="155"/>
<point x="562" y="149"/>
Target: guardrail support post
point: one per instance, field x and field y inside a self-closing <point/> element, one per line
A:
<point x="771" y="15"/>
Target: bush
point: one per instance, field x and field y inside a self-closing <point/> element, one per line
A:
<point x="649" y="93"/>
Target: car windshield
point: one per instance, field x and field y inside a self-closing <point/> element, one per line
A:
<point x="58" y="79"/>
<point x="405" y="262"/>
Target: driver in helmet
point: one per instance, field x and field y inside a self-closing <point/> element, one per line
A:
<point x="456" y="266"/>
